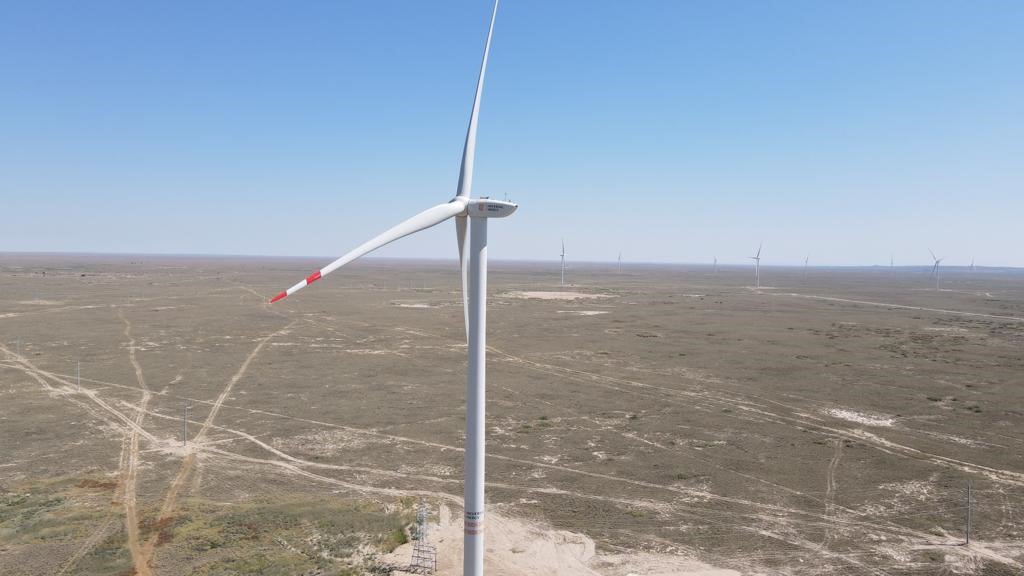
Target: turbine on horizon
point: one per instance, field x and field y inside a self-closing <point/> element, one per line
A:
<point x="471" y="213"/>
<point x="716" y="264"/>
<point x="618" y="270"/>
<point x="563" y="262"/>
<point x="935" y="268"/>
<point x="757" y="266"/>
<point x="806" y="258"/>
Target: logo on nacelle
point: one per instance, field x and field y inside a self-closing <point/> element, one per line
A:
<point x="486" y="208"/>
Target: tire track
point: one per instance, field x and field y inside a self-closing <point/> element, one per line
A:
<point x="830" y="487"/>
<point x="129" y="472"/>
<point x="98" y="535"/>
<point x="815" y="425"/>
<point x="173" y="491"/>
<point x="768" y="512"/>
<point x="900" y="306"/>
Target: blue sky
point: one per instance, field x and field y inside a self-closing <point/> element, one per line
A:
<point x="672" y="131"/>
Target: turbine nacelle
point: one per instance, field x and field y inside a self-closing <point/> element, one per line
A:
<point x="488" y="208"/>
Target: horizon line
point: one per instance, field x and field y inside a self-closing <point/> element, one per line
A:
<point x="613" y="263"/>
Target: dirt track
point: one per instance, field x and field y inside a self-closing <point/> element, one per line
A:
<point x="838" y="440"/>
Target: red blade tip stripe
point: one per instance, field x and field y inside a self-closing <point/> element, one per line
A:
<point x="312" y="277"/>
<point x="278" y="297"/>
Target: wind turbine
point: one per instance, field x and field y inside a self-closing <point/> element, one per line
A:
<point x="473" y="262"/>
<point x="972" y="263"/>
<point x="619" y="269"/>
<point x="563" y="261"/>
<point x="757" y="266"/>
<point x="806" y="258"/>
<point x="935" y="268"/>
<point x="716" y="264"/>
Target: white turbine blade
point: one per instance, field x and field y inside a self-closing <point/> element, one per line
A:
<point x="469" y="150"/>
<point x="932" y="253"/>
<point x="759" y="249"/>
<point x="461" y="223"/>
<point x="426" y="219"/>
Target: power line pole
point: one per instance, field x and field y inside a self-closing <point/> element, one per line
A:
<point x="968" y="542"/>
<point x="184" y="423"/>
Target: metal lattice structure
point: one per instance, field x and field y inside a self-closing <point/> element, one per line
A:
<point x="424" y="556"/>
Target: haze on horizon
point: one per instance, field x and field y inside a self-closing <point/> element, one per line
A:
<point x="669" y="132"/>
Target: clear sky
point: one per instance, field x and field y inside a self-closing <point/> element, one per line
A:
<point x="672" y="131"/>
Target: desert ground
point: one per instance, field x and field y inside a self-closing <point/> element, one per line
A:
<point x="662" y="420"/>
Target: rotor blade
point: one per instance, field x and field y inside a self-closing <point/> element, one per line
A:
<point x="469" y="150"/>
<point x="461" y="222"/>
<point x="932" y="253"/>
<point x="759" y="249"/>
<point x="426" y="219"/>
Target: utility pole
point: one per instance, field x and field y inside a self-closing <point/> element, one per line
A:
<point x="184" y="422"/>
<point x="968" y="542"/>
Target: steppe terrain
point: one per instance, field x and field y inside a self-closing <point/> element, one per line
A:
<point x="662" y="420"/>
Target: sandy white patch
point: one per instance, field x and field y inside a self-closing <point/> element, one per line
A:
<point x="520" y="547"/>
<point x="913" y="489"/>
<point x="860" y="418"/>
<point x="326" y="443"/>
<point x="412" y="305"/>
<point x="583" y="312"/>
<point x="556" y="295"/>
<point x="39" y="302"/>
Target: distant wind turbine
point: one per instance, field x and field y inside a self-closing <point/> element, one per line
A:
<point x="972" y="263"/>
<point x="563" y="261"/>
<point x="618" y="270"/>
<point x="757" y="266"/>
<point x="806" y="258"/>
<point x="935" y="267"/>
<point x="716" y="264"/>
<point x="471" y="216"/>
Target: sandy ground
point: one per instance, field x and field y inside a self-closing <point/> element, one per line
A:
<point x="541" y="295"/>
<point x="828" y="427"/>
<point x="519" y="547"/>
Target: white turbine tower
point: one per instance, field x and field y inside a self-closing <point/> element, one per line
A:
<point x="563" y="261"/>
<point x="935" y="268"/>
<point x="757" y="266"/>
<point x="619" y="268"/>
<point x="473" y="261"/>
<point x="716" y="264"/>
<point x="806" y="258"/>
